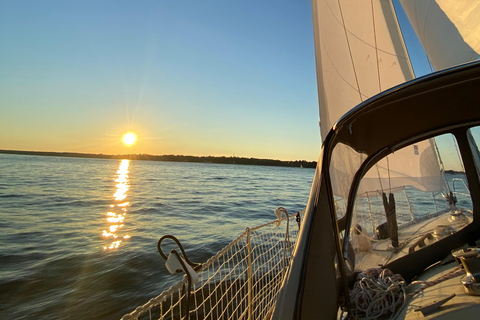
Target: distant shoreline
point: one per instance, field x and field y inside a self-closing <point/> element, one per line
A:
<point x="173" y="158"/>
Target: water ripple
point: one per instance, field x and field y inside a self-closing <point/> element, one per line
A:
<point x="55" y="212"/>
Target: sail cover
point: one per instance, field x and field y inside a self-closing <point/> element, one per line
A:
<point x="360" y="52"/>
<point x="448" y="29"/>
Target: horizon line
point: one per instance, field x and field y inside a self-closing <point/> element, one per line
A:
<point x="103" y="155"/>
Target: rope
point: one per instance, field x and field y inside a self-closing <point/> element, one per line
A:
<point x="377" y="293"/>
<point x="380" y="293"/>
<point x="458" y="271"/>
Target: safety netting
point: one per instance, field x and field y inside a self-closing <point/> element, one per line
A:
<point x="241" y="281"/>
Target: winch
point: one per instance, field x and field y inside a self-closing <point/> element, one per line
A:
<point x="470" y="259"/>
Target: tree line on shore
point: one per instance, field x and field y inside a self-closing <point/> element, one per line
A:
<point x="173" y="158"/>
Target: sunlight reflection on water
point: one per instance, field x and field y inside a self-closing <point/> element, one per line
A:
<point x="119" y="211"/>
<point x="55" y="225"/>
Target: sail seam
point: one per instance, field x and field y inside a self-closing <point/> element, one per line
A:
<point x="340" y="75"/>
<point x="349" y="50"/>
<point x="363" y="41"/>
<point x="324" y="47"/>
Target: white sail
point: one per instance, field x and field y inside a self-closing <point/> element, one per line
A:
<point x="418" y="160"/>
<point x="416" y="166"/>
<point x="447" y="29"/>
<point x="360" y="52"/>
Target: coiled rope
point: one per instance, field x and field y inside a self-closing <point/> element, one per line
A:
<point x="377" y="293"/>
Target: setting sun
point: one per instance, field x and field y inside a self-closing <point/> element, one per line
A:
<point x="129" y="138"/>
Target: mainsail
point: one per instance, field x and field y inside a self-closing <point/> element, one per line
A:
<point x="360" y="52"/>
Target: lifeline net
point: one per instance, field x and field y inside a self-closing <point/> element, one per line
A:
<point x="241" y="281"/>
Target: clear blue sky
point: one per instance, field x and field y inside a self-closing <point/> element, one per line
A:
<point x="188" y="77"/>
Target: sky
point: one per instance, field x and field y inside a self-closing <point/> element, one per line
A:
<point x="219" y="78"/>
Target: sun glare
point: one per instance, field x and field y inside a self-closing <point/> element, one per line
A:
<point x="129" y="138"/>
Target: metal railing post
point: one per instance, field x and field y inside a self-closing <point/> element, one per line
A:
<point x="250" y="278"/>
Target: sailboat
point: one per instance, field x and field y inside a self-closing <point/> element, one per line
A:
<point x="361" y="249"/>
<point x="381" y="129"/>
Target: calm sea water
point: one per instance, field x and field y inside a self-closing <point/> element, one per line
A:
<point x="78" y="236"/>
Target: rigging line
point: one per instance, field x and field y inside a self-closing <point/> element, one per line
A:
<point x="429" y="64"/>
<point x="423" y="35"/>
<point x="458" y="152"/>
<point x="379" y="178"/>
<point x="376" y="48"/>
<point x="350" y="50"/>
<point x="442" y="167"/>
<point x="403" y="38"/>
